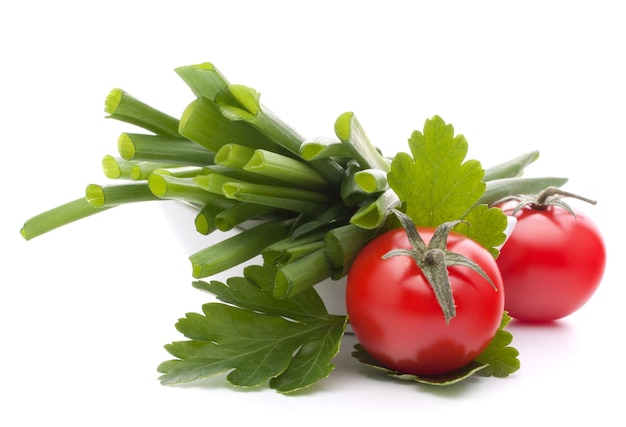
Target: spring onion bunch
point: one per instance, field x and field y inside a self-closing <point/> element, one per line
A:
<point x="308" y="206"/>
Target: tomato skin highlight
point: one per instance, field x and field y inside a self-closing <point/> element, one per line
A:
<point x="395" y="316"/>
<point x="552" y="263"/>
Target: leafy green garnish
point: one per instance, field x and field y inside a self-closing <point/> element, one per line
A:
<point x="289" y="343"/>
<point x="438" y="185"/>
<point x="497" y="360"/>
<point x="500" y="358"/>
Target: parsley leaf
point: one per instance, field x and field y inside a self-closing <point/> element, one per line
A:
<point x="448" y="378"/>
<point x="500" y="358"/>
<point x="256" y="338"/>
<point x="438" y="185"/>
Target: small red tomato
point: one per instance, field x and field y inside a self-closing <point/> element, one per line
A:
<point x="551" y="264"/>
<point x="395" y="316"/>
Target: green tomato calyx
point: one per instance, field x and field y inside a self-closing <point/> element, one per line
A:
<point x="434" y="259"/>
<point x="549" y="196"/>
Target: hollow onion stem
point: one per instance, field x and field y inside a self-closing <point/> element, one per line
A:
<point x="320" y="148"/>
<point x="122" y="106"/>
<point x="285" y="169"/>
<point x="235" y="215"/>
<point x="371" y="180"/>
<point x="278" y="197"/>
<point x="511" y="168"/>
<point x="203" y="122"/>
<point x="241" y="103"/>
<point x="302" y="274"/>
<point x="342" y="244"/>
<point x="117" y="167"/>
<point x="333" y="215"/>
<point x="273" y="253"/>
<point x="205" y="219"/>
<point x="204" y="79"/>
<point x="373" y="214"/>
<point x="500" y="188"/>
<point x="57" y="217"/>
<point x="351" y="133"/>
<point x="101" y="196"/>
<point x="234" y="156"/>
<point x="232" y="189"/>
<point x="136" y="146"/>
<point x="237" y="249"/>
<point x="214" y="182"/>
<point x="299" y="251"/>
<point x="142" y="170"/>
<point x="184" y="189"/>
<point x="181" y="171"/>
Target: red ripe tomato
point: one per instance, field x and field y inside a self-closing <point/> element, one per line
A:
<point x="395" y="316"/>
<point x="551" y="264"/>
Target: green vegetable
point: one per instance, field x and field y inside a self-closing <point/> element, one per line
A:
<point x="511" y="168"/>
<point x="500" y="358"/>
<point x="314" y="204"/>
<point x="288" y="342"/>
<point x="117" y="168"/>
<point x="112" y="195"/>
<point x="58" y="216"/>
<point x="438" y="185"/>
<point x="120" y="105"/>
<point x="237" y="249"/>
<point x="136" y="146"/>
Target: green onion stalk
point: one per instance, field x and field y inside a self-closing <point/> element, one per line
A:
<point x="305" y="206"/>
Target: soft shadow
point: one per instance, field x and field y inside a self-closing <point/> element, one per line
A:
<point x="219" y="382"/>
<point x="543" y="346"/>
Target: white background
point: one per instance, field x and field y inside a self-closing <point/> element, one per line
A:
<point x="85" y="310"/>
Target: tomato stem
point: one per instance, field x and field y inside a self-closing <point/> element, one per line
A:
<point x="434" y="259"/>
<point x="545" y="195"/>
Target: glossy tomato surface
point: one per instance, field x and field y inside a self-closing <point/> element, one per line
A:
<point x="396" y="318"/>
<point x="552" y="263"/>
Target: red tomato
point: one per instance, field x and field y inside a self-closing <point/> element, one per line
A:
<point x="551" y="264"/>
<point x="396" y="318"/>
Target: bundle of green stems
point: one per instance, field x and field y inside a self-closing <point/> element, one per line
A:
<point x="307" y="206"/>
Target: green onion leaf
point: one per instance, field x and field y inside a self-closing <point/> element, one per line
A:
<point x="58" y="216"/>
<point x="101" y="196"/>
<point x="136" y="146"/>
<point x="234" y="156"/>
<point x="373" y="214"/>
<point x="498" y="189"/>
<point x="142" y="170"/>
<point x="342" y="244"/>
<point x="302" y="274"/>
<point x="203" y="123"/>
<point x="122" y="106"/>
<point x="291" y="199"/>
<point x="239" y="213"/>
<point x="181" y="171"/>
<point x="117" y="168"/>
<point x="286" y="169"/>
<point x="184" y="189"/>
<point x="237" y="249"/>
<point x="283" y="249"/>
<point x="511" y="168"/>
<point x="371" y="181"/>
<point x="320" y="148"/>
<point x="351" y="133"/>
<point x="204" y="79"/>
